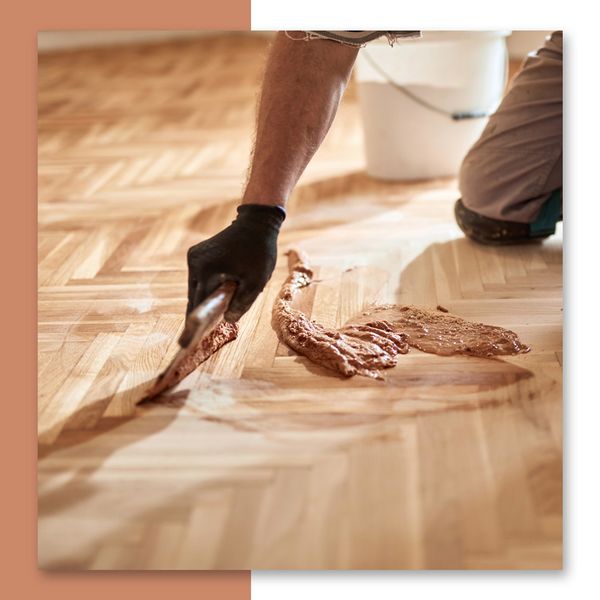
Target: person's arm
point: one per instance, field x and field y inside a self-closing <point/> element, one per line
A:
<point x="303" y="84"/>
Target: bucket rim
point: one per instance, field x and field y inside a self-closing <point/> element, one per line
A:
<point x="446" y="35"/>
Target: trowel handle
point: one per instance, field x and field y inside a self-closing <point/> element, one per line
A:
<point x="203" y="319"/>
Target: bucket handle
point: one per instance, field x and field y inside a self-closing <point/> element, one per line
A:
<point x="456" y="116"/>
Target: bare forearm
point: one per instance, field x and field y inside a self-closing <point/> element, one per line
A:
<point x="302" y="88"/>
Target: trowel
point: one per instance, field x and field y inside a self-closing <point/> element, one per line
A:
<point x="199" y="323"/>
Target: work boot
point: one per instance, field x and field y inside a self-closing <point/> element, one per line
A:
<point x="496" y="232"/>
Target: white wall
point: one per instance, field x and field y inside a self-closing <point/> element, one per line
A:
<point x="58" y="40"/>
<point x="519" y="43"/>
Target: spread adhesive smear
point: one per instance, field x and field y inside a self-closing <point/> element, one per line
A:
<point x="373" y="341"/>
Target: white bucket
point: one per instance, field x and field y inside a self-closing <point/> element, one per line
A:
<point x="411" y="95"/>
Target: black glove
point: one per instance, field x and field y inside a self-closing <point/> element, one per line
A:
<point x="244" y="252"/>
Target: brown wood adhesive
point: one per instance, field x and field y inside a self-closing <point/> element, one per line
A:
<point x="373" y="341"/>
<point x="222" y="334"/>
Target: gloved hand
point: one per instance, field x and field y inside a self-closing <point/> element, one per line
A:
<point x="244" y="252"/>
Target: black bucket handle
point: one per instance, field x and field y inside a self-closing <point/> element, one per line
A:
<point x="456" y="116"/>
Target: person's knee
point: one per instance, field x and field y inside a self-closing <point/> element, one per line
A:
<point x="475" y="183"/>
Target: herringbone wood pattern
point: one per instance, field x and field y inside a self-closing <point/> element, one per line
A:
<point x="261" y="459"/>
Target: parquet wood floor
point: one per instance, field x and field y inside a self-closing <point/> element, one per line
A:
<point x="262" y="460"/>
